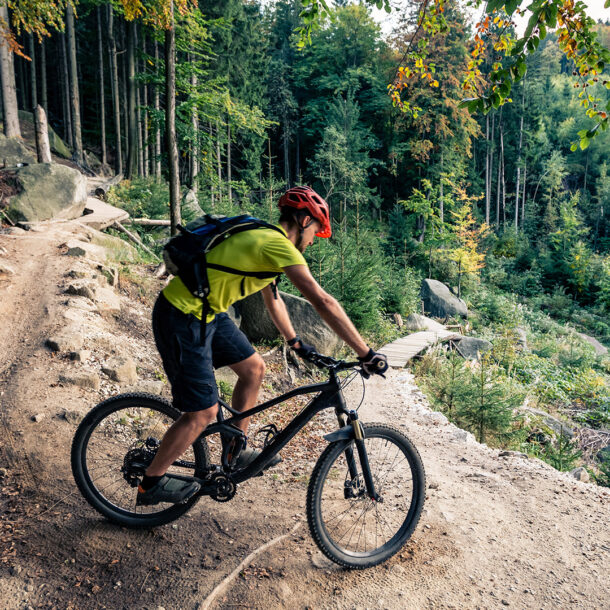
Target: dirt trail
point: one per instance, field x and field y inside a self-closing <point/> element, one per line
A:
<point x="496" y="531"/>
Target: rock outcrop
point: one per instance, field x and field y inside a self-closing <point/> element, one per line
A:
<point x="13" y="152"/>
<point x="257" y="324"/>
<point x="417" y="322"/>
<point x="440" y="302"/>
<point x="472" y="348"/>
<point x="48" y="191"/>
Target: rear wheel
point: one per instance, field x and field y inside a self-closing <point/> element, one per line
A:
<point x="113" y="446"/>
<point x="349" y="527"/>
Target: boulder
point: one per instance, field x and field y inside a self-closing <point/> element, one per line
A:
<point x="472" y="348"/>
<point x="521" y="336"/>
<point x="66" y="341"/>
<point x="417" y="322"/>
<point x="557" y="426"/>
<point x="235" y="315"/>
<point x="48" y="191"/>
<point x="580" y="474"/>
<point x="57" y="145"/>
<point x="257" y="324"/>
<point x="190" y="206"/>
<point x="121" y="369"/>
<point x="14" y="152"/>
<point x="108" y="302"/>
<point x="95" y="165"/>
<point x="148" y="386"/>
<point x="73" y="416"/>
<point x="600" y="349"/>
<point x="82" y="288"/>
<point x="83" y="379"/>
<point x="440" y="302"/>
<point x="79" y="248"/>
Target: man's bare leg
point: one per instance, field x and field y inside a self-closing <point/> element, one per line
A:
<point x="179" y="438"/>
<point x="250" y="373"/>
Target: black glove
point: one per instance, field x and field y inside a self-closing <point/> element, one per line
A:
<point x="304" y="351"/>
<point x="374" y="363"/>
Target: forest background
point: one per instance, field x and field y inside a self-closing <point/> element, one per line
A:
<point x="503" y="207"/>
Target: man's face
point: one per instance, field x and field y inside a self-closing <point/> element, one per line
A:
<point x="311" y="227"/>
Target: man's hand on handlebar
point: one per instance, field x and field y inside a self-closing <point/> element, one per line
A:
<point x="304" y="350"/>
<point x="374" y="363"/>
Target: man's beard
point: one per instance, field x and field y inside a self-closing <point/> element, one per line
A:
<point x="300" y="246"/>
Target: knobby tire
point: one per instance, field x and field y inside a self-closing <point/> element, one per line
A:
<point x="338" y="524"/>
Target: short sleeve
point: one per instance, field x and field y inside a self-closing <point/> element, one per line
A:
<point x="279" y="252"/>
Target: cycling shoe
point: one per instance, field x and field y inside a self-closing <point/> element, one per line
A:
<point x="168" y="489"/>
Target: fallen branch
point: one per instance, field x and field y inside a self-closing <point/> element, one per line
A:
<point x="134" y="238"/>
<point x="149" y="222"/>
<point x="103" y="189"/>
<point x="207" y="602"/>
<point x="7" y="217"/>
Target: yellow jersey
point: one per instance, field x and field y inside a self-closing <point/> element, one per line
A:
<point x="254" y="250"/>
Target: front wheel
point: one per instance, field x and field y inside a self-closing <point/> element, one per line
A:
<point x="349" y="527"/>
<point x="113" y="446"/>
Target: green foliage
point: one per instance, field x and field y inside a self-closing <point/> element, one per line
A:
<point x="476" y="396"/>
<point x="226" y="390"/>
<point x="602" y="476"/>
<point x="141" y="198"/>
<point x="562" y="453"/>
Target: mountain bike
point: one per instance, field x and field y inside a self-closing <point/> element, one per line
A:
<point x="364" y="497"/>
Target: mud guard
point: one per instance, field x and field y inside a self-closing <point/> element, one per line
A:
<point x="342" y="434"/>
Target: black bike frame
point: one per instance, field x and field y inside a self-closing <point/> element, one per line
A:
<point x="330" y="395"/>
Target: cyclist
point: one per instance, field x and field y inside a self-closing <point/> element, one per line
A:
<point x="189" y="359"/>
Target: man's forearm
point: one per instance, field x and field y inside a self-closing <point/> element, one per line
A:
<point x="279" y="316"/>
<point x="333" y="314"/>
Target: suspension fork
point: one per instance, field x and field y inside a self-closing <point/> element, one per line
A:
<point x="350" y="418"/>
<point x="364" y="458"/>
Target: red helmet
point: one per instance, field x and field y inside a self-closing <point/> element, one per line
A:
<point x="305" y="198"/>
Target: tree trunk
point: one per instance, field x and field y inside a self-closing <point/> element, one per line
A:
<point x="74" y="91"/>
<point x="270" y="168"/>
<point x="523" y="198"/>
<point x="145" y="136"/>
<point x="195" y="146"/>
<point x="498" y="193"/>
<point x="157" y="129"/>
<point x="218" y="162"/>
<point x="491" y="160"/>
<point x="43" y="77"/>
<point x="33" y="79"/>
<point x="100" y="53"/>
<point x="297" y="160"/>
<point x="229" y="189"/>
<point x="9" y="89"/>
<point x="138" y="109"/>
<point x="441" y="197"/>
<point x="43" y="149"/>
<point x="519" y="161"/>
<point x="503" y="178"/>
<point x="131" y="167"/>
<point x="286" y="145"/>
<point x="114" y="81"/>
<point x="170" y="123"/>
<point x="65" y="87"/>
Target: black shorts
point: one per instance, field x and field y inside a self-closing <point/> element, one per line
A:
<point x="189" y="363"/>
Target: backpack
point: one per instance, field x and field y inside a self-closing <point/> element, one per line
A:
<point x="185" y="255"/>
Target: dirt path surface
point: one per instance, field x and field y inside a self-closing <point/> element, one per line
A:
<point x="496" y="530"/>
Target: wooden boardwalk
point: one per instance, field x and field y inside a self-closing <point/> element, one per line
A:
<point x="399" y="352"/>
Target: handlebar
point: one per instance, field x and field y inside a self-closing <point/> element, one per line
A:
<point x="328" y="362"/>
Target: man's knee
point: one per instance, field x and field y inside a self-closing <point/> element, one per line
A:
<point x="251" y="369"/>
<point x="201" y="419"/>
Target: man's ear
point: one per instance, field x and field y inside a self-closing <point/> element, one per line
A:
<point x="307" y="220"/>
